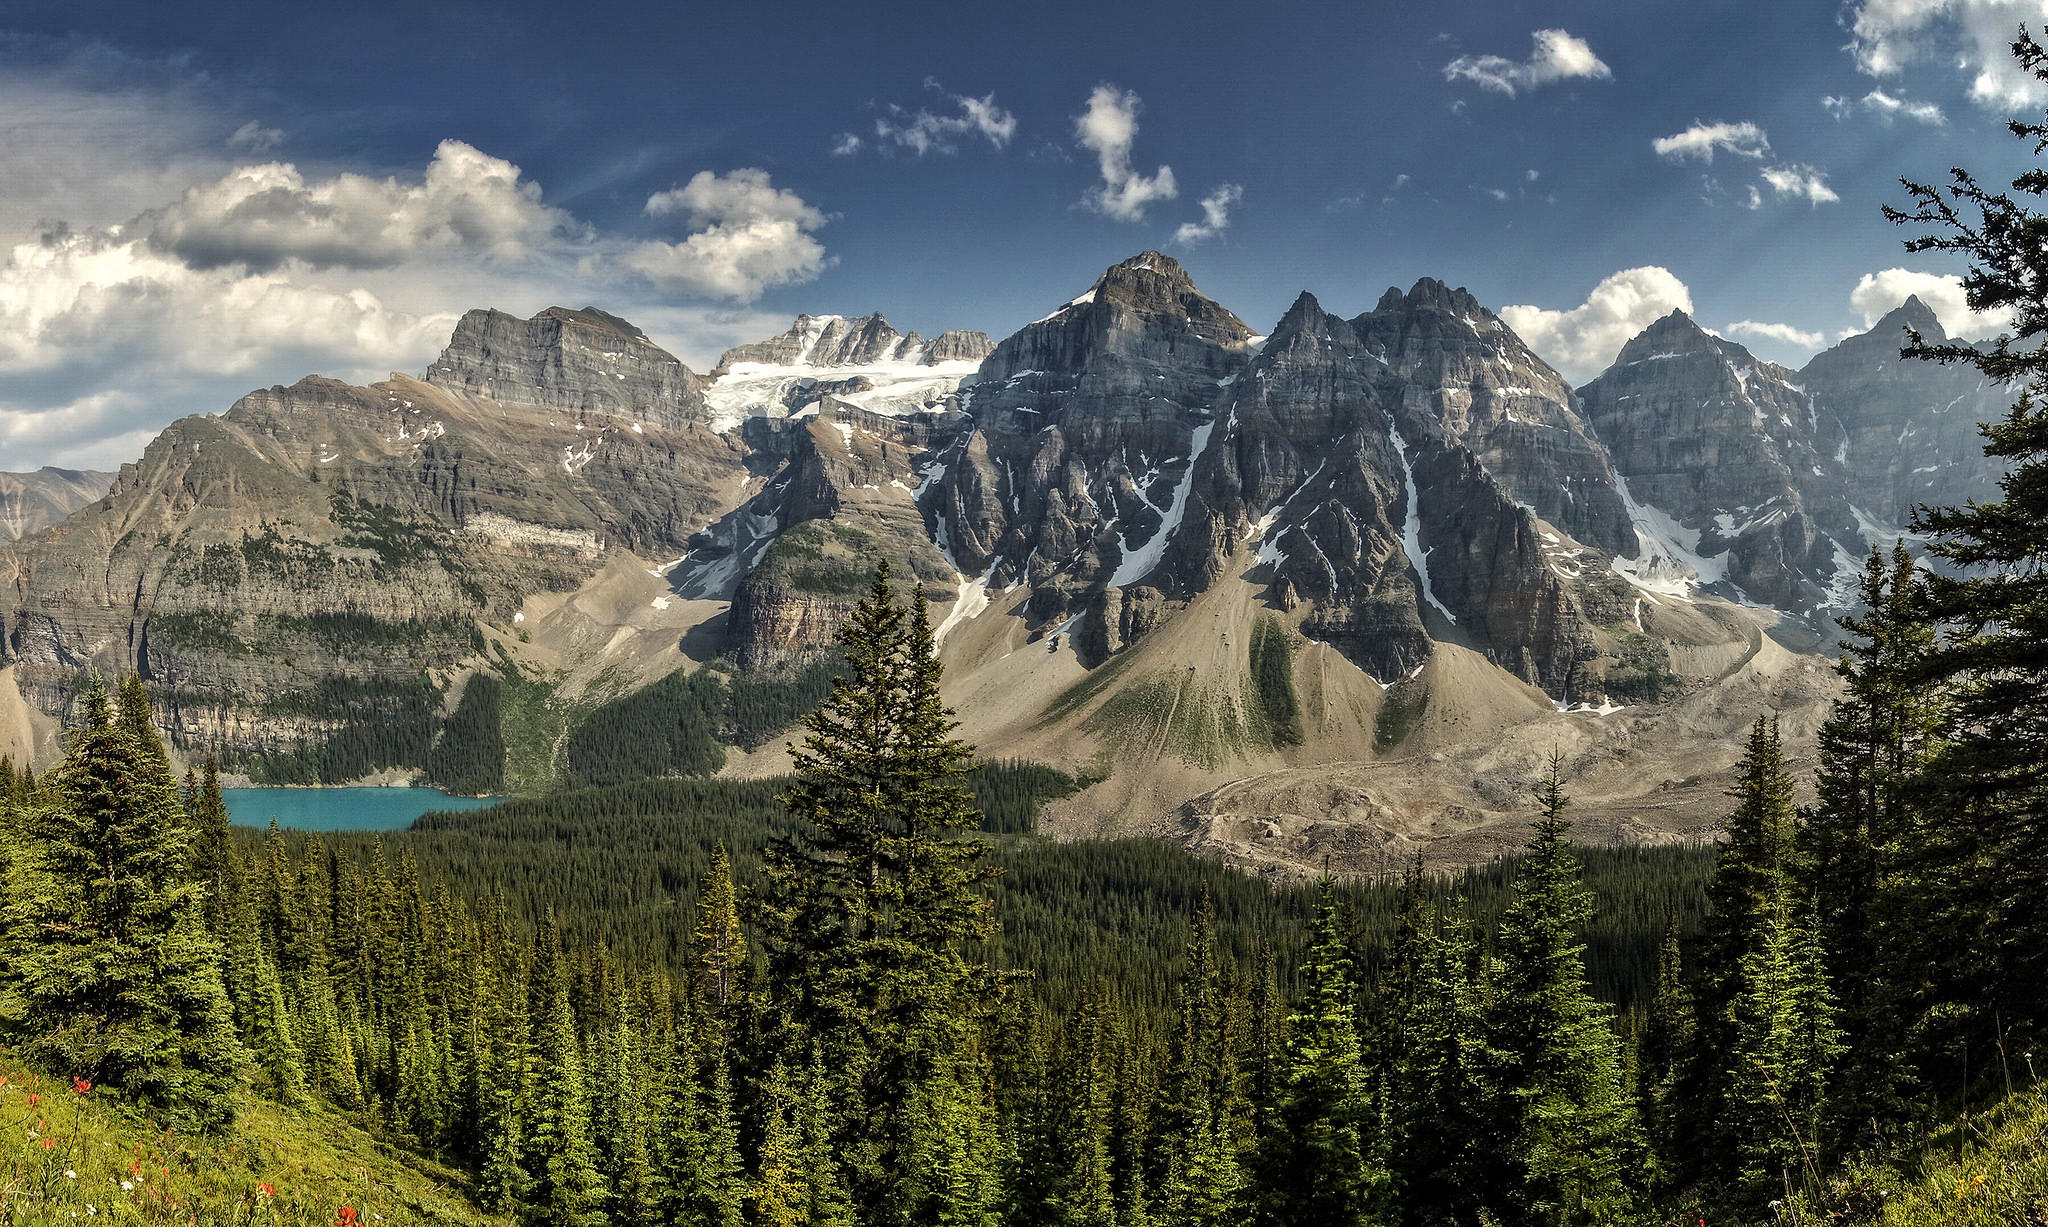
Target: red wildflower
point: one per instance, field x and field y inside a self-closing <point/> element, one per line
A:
<point x="47" y="1143"/>
<point x="81" y="1085"/>
<point x="347" y="1217"/>
<point x="34" y="1099"/>
<point x="266" y="1190"/>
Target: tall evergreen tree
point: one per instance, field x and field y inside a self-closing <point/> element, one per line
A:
<point x="1320" y="1164"/>
<point x="1573" y="1139"/>
<point x="872" y="899"/>
<point x="110" y="973"/>
<point x="1873" y="855"/>
<point x="564" y="1186"/>
<point x="1991" y="822"/>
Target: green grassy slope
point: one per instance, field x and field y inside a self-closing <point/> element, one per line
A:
<point x="66" y="1156"/>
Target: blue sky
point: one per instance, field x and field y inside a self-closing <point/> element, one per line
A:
<point x="201" y="199"/>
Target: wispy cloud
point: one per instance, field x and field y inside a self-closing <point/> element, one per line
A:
<point x="1556" y="56"/>
<point x="923" y="131"/>
<point x="1886" y="107"/>
<point x="253" y="137"/>
<point x="1783" y="333"/>
<point x="1216" y="208"/>
<point x="1702" y="140"/>
<point x="1796" y="181"/>
<point x="1108" y="128"/>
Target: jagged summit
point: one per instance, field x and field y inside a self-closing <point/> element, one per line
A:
<point x="1146" y="309"/>
<point x="1913" y="314"/>
<point x="828" y="341"/>
<point x="586" y="361"/>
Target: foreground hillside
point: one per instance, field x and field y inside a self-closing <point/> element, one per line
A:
<point x="107" y="1160"/>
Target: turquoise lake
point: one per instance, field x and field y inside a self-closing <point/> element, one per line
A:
<point x="341" y="809"/>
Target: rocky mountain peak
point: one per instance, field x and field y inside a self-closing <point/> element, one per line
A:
<point x="1913" y="314"/>
<point x="1152" y="284"/>
<point x="1428" y="293"/>
<point x="1674" y="333"/>
<point x="587" y="361"/>
<point x="1305" y="315"/>
<point x="837" y="341"/>
<point x="1144" y="306"/>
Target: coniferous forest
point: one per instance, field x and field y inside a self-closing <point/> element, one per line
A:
<point x="865" y="995"/>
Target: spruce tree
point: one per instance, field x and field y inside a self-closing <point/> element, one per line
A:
<point x="1442" y="1144"/>
<point x="1663" y="1043"/>
<point x="111" y="974"/>
<point x="1992" y="603"/>
<point x="1203" y="1182"/>
<point x="1872" y="848"/>
<point x="872" y="899"/>
<point x="720" y="943"/>
<point x="1320" y="1164"/>
<point x="564" y="1186"/>
<point x="1572" y="1137"/>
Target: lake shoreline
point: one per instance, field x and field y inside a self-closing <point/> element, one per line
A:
<point x="361" y="807"/>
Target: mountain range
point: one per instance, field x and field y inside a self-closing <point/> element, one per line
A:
<point x="1329" y="591"/>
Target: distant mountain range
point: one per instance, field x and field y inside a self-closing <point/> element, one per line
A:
<point x="31" y="502"/>
<point x="1123" y="511"/>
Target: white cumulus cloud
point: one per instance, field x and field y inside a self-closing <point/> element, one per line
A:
<point x="1974" y="36"/>
<point x="1783" y="333"/>
<point x="1582" y="341"/>
<point x="1702" y="140"/>
<point x="1216" y="208"/>
<point x="1557" y="56"/>
<point x="264" y="215"/>
<point x="923" y="132"/>
<point x="749" y="235"/>
<point x="1879" y="292"/>
<point x="1794" y="181"/>
<point x="1107" y="129"/>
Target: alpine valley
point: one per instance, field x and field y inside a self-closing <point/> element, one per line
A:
<point x="1327" y="593"/>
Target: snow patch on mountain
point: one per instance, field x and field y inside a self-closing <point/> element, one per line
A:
<point x="1137" y="563"/>
<point x="762" y="389"/>
<point x="1668" y="561"/>
<point x="1411" y="527"/>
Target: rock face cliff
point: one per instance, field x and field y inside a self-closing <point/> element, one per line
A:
<point x="581" y="361"/>
<point x="1724" y="444"/>
<point x="322" y="543"/>
<point x="304" y="567"/>
<point x="31" y="502"/>
<point x="1903" y="432"/>
<point x="1772" y="483"/>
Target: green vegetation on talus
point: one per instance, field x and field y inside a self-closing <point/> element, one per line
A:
<point x="1401" y="708"/>
<point x="1180" y="713"/>
<point x="1273" y="674"/>
<point x="820" y="556"/>
<point x="1643" y="673"/>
